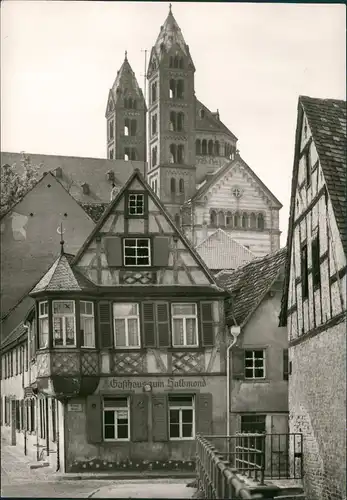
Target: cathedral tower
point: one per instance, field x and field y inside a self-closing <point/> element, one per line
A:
<point x="126" y="117"/>
<point x="171" y="120"/>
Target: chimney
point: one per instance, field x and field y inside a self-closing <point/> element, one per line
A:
<point x="59" y="172"/>
<point x="85" y="188"/>
<point x="217" y="115"/>
<point x="110" y="175"/>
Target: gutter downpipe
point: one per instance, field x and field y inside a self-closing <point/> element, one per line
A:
<point x="234" y="332"/>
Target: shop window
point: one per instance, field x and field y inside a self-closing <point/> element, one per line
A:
<point x="255" y="364"/>
<point x="181" y="417"/>
<point x="304" y="273"/>
<point x="64" y="323"/>
<point x="137" y="252"/>
<point x="43" y="325"/>
<point x="184" y="325"/>
<point x="116" y="419"/>
<point x="315" y="261"/>
<point x="136" y="204"/>
<point x="126" y="325"/>
<point x="87" y="323"/>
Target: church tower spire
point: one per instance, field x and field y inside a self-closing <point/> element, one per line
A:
<point x="126" y="117"/>
<point x="171" y="134"/>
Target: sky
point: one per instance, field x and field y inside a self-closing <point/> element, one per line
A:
<point x="59" y="60"/>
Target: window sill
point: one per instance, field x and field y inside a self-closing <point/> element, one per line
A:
<point x="116" y="440"/>
<point x="182" y="439"/>
<point x="256" y="380"/>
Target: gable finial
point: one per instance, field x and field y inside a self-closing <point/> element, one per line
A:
<point x="61" y="232"/>
<point x="170" y="5"/>
<point x="126" y="55"/>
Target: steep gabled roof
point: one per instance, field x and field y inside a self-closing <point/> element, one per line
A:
<point x="61" y="277"/>
<point x="210" y="122"/>
<point x="16" y="334"/>
<point x="137" y="175"/>
<point x="250" y="283"/>
<point x="327" y="121"/>
<point x="212" y="179"/>
<point x="126" y="81"/>
<point x="221" y="251"/>
<point x="170" y="35"/>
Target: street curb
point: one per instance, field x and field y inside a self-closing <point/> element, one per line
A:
<point x="121" y="477"/>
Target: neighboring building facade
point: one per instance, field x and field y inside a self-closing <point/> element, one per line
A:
<point x="314" y="300"/>
<point x="259" y="359"/>
<point x="129" y="343"/>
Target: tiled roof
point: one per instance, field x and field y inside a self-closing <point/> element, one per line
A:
<point x="94" y="210"/>
<point x="327" y="121"/>
<point x="249" y="284"/>
<point x="210" y="122"/>
<point x="60" y="277"/>
<point x="221" y="251"/>
<point x="14" y="335"/>
<point x="212" y="179"/>
<point x="170" y="34"/>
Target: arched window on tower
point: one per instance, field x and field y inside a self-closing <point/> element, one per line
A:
<point x="180" y="89"/>
<point x="253" y="220"/>
<point x="244" y="220"/>
<point x="204" y="147"/>
<point x="236" y="219"/>
<point x="171" y="62"/>
<point x="210" y="147"/>
<point x="181" y="186"/>
<point x="154" y="91"/>
<point x="173" y="185"/>
<point x="260" y="222"/>
<point x="133" y="127"/>
<point x="229" y="219"/>
<point x="130" y="103"/>
<point x="198" y="147"/>
<point x="130" y="154"/>
<point x="134" y="104"/>
<point x="180" y="122"/>
<point x="216" y="148"/>
<point x="213" y="218"/>
<point x="173" y="153"/>
<point x="154" y="156"/>
<point x="176" y="62"/>
<point x="126" y="126"/>
<point x="172" y="124"/>
<point x="180" y="153"/>
<point x="125" y="102"/>
<point x="172" y="89"/>
<point x="181" y="63"/>
<point x="154" y="124"/>
<point x="221" y="219"/>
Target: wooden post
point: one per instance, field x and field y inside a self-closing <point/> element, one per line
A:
<point x="46" y="402"/>
<point x="13" y="422"/>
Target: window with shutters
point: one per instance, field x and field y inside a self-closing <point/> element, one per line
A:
<point x="64" y="323"/>
<point x="184" y="325"/>
<point x="254" y="364"/>
<point x="181" y="417"/>
<point x="137" y="252"/>
<point x="116" y="419"/>
<point x="87" y="324"/>
<point x="126" y="325"/>
<point x="43" y="325"/>
<point x="136" y="204"/>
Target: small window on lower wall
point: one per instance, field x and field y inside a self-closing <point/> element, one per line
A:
<point x="181" y="417"/>
<point x="184" y="325"/>
<point x="87" y="324"/>
<point x="116" y="421"/>
<point x="254" y="364"/>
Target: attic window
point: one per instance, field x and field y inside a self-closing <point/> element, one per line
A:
<point x="110" y="175"/>
<point x="137" y="252"/>
<point x="202" y="113"/>
<point x="136" y="204"/>
<point x="85" y="188"/>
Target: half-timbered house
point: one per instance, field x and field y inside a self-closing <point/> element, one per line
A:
<point x="314" y="300"/>
<point x="129" y="342"/>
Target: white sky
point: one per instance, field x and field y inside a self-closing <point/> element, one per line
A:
<point x="59" y="59"/>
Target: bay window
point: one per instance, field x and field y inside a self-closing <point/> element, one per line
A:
<point x="126" y="325"/>
<point x="64" y="323"/>
<point x="43" y="325"/>
<point x="87" y="324"/>
<point x="184" y="325"/>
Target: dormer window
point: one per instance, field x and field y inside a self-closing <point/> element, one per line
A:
<point x="64" y="323"/>
<point x="136" y="204"/>
<point x="43" y="325"/>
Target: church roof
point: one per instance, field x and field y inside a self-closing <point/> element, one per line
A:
<point x="249" y="284"/>
<point x="61" y="277"/>
<point x="125" y="81"/>
<point x="212" y="179"/>
<point x="170" y="34"/>
<point x="221" y="251"/>
<point x="210" y="122"/>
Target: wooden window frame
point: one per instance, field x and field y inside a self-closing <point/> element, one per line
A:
<point x="43" y="317"/>
<point x="64" y="345"/>
<point x="180" y="409"/>
<point x="116" y="409"/>
<point x="184" y="317"/>
<point x="125" y="246"/>
<point x="253" y="367"/>
<point x="85" y="316"/>
<point x="134" y="207"/>
<point x="126" y="318"/>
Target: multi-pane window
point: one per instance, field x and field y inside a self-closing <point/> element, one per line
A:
<point x="255" y="363"/>
<point x="87" y="323"/>
<point x="181" y="417"/>
<point x="315" y="260"/>
<point x="64" y="324"/>
<point x="137" y="252"/>
<point x="116" y="419"/>
<point x="43" y="325"/>
<point x="184" y="324"/>
<point x="126" y="325"/>
<point x="304" y="273"/>
<point x="136" y="204"/>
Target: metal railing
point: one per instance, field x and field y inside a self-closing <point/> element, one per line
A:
<point x="217" y="479"/>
